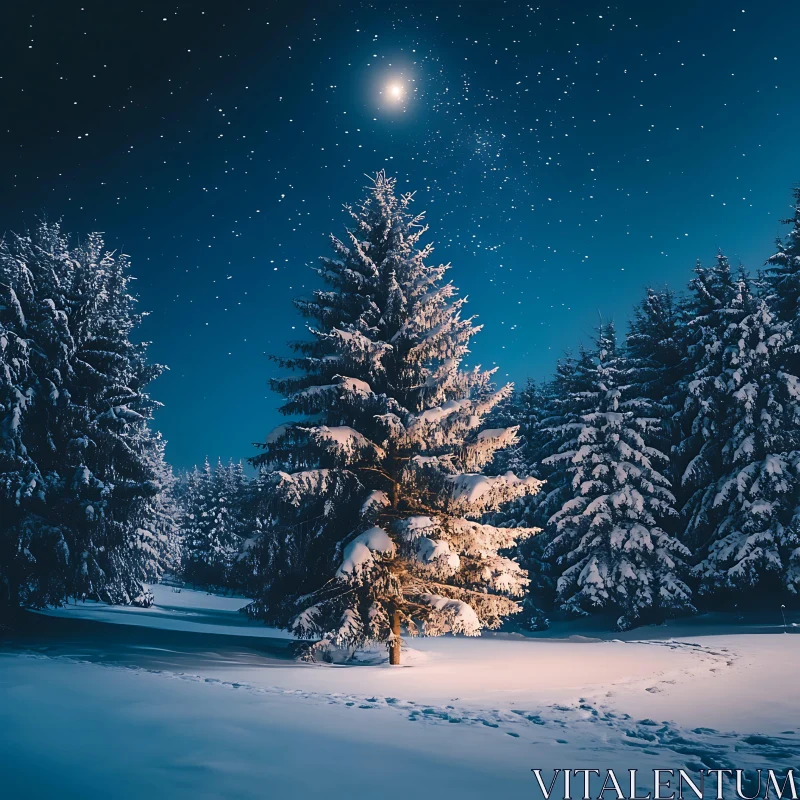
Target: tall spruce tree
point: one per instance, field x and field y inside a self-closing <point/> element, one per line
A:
<point x="570" y="393"/>
<point x="531" y="410"/>
<point x="192" y="489"/>
<point x="159" y="519"/>
<point x="21" y="482"/>
<point x="609" y="537"/>
<point x="747" y="508"/>
<point x="375" y="503"/>
<point x="783" y="279"/>
<point x="654" y="344"/>
<point x="696" y="454"/>
<point x="524" y="409"/>
<point x="239" y="525"/>
<point x="79" y="464"/>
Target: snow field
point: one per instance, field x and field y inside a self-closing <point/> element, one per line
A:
<point x="466" y="717"/>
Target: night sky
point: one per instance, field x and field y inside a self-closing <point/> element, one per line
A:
<point x="567" y="154"/>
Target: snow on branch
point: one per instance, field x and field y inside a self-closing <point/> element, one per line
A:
<point x="346" y="444"/>
<point x="473" y="493"/>
<point x="358" y="554"/>
<point x="449" y="616"/>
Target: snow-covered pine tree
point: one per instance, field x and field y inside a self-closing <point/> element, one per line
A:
<point x="375" y="504"/>
<point x="783" y="296"/>
<point x="748" y="508"/>
<point x="189" y="494"/>
<point x="530" y="410"/>
<point x="215" y="523"/>
<point x="238" y="524"/>
<point x="120" y="457"/>
<point x="554" y="406"/>
<point x="21" y="483"/>
<point x="523" y="409"/>
<point x="569" y="394"/>
<point x="696" y="453"/>
<point x="609" y="538"/>
<point x="654" y="343"/>
<point x="783" y="281"/>
<point x="78" y="459"/>
<point x="655" y="349"/>
<point x="160" y="518"/>
<point x="231" y="486"/>
<point x="566" y="395"/>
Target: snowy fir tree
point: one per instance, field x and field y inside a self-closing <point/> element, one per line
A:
<point x="742" y="515"/>
<point x="215" y="523"/>
<point x="79" y="465"/>
<point x="696" y="463"/>
<point x="783" y="281"/>
<point x="654" y="345"/>
<point x="531" y="410"/>
<point x="160" y="518"/>
<point x="525" y="410"/>
<point x="244" y="526"/>
<point x="570" y="394"/>
<point x="716" y="300"/>
<point x="200" y="561"/>
<point x="374" y="494"/>
<point x="610" y="538"/>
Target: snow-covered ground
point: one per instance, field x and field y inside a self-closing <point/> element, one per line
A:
<point x="190" y="699"/>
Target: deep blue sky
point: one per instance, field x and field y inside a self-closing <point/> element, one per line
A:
<point x="567" y="156"/>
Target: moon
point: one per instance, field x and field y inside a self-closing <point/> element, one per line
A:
<point x="395" y="91"/>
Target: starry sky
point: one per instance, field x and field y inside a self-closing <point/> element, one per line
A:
<point x="568" y="154"/>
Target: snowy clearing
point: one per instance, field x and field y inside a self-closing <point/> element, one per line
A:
<point x="190" y="699"/>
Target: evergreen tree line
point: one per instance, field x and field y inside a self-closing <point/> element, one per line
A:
<point x="672" y="458"/>
<point x="651" y="476"/>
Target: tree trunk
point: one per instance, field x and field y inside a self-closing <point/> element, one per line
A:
<point x="394" y="646"/>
